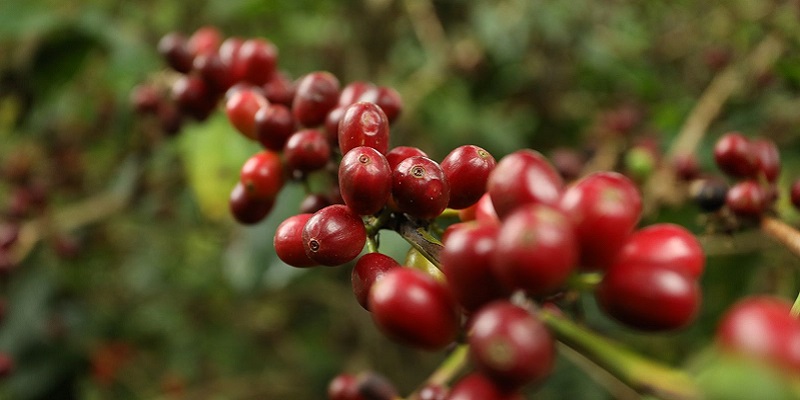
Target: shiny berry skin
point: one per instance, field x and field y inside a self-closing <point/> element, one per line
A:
<point x="213" y="71"/>
<point x="246" y="209"/>
<point x="522" y="177"/>
<point x="365" y="180"/>
<point x="170" y="119"/>
<point x="466" y="263"/>
<point x="307" y="150"/>
<point x="387" y="99"/>
<point x="734" y="155"/>
<point x="568" y="162"/>
<point x="768" y="158"/>
<point x="262" y="175"/>
<point x="368" y="269"/>
<point x="334" y="235"/>
<point x="510" y="346"/>
<point x="467" y="169"/>
<point x="762" y="327"/>
<point x="794" y="194"/>
<point x="363" y="124"/>
<point x="255" y="61"/>
<point x="420" y="188"/>
<point x="686" y="166"/>
<point x="432" y="391"/>
<point x="400" y="153"/>
<point x="193" y="97"/>
<point x="536" y="250"/>
<point x="709" y="194"/>
<point x="332" y="124"/>
<point x="411" y="307"/>
<point x="279" y="89"/>
<point x="482" y="212"/>
<point x="664" y="245"/>
<point x="604" y="207"/>
<point x="344" y="387"/>
<point x="241" y="108"/>
<point x="313" y="203"/>
<point x="353" y="91"/>
<point x="204" y="40"/>
<point x="273" y="126"/>
<point x="746" y="199"/>
<point x="145" y="99"/>
<point x="477" y="386"/>
<point x="288" y="241"/>
<point x="175" y="51"/>
<point x="374" y="386"/>
<point x="317" y="93"/>
<point x="649" y="298"/>
<point x="229" y="53"/>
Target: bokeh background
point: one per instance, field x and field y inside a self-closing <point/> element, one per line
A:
<point x="139" y="285"/>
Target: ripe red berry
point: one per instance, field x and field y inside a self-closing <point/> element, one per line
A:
<point x="467" y="169"/>
<point x="175" y="51"/>
<point x="735" y="156"/>
<point x="145" y="99"/>
<point x="794" y="194"/>
<point x="317" y="94"/>
<point x="228" y="53"/>
<point x="334" y="235"/>
<point x="432" y="391"/>
<point x="353" y="92"/>
<point x="368" y="269"/>
<point x="204" y="40"/>
<point x="262" y="175"/>
<point x="274" y="125"/>
<point x="400" y="153"/>
<point x="768" y="158"/>
<point x="288" y="241"/>
<point x="649" y="298"/>
<point x="536" y="250"/>
<point x="387" y="99"/>
<point x="307" y="150"/>
<point x="411" y="307"/>
<point x="763" y="328"/>
<point x="420" y="188"/>
<point x="365" y="180"/>
<point x="246" y="209"/>
<point x="511" y="346"/>
<point x="241" y="108"/>
<point x="193" y="97"/>
<point x="214" y="72"/>
<point x="363" y="124"/>
<point x="482" y="212"/>
<point x="523" y="177"/>
<point x="664" y="246"/>
<point x="255" y="61"/>
<point x="476" y="386"/>
<point x="279" y="89"/>
<point x="747" y="199"/>
<point x="344" y="387"/>
<point x="466" y="262"/>
<point x="604" y="207"/>
<point x="568" y="162"/>
<point x="313" y="203"/>
<point x="686" y="166"/>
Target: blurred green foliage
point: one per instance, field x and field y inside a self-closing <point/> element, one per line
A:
<point x="170" y="299"/>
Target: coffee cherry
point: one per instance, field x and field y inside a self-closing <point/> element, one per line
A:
<point x="763" y="328"/>
<point x="365" y="180"/>
<point x="734" y="155"/>
<point x="374" y="386"/>
<point x="511" y="346"/>
<point x="411" y="307"/>
<point x="307" y="150"/>
<point x="353" y="92"/>
<point x="313" y="203"/>
<point x="746" y="199"/>
<point x="334" y="235"/>
<point x="214" y="72"/>
<point x="262" y="175"/>
<point x="604" y="207"/>
<point x="273" y="126"/>
<point x="241" y="108"/>
<point x="664" y="246"/>
<point x="686" y="166"/>
<point x="649" y="298"/>
<point x="536" y="251"/>
<point x="794" y="194"/>
<point x="467" y="169"/>
<point x="288" y="241"/>
<point x="482" y="212"/>
<point x="317" y="93"/>
<point x="344" y="387"/>
<point x="169" y="118"/>
<point x="476" y="386"/>
<point x="432" y="391"/>
<point x="368" y="269"/>
<point x="246" y="209"/>
<point x="768" y="158"/>
<point x="205" y="40"/>
<point x="363" y="124"/>
<point x="255" y="61"/>
<point x="523" y="177"/>
<point x="279" y="89"/>
<point x="229" y="54"/>
<point x="568" y="162"/>
<point x="387" y="99"/>
<point x="420" y="188"/>
<point x="193" y="97"/>
<point x="400" y="153"/>
<point x="145" y="99"/>
<point x="175" y="51"/>
<point x="709" y="194"/>
<point x="466" y="263"/>
<point x="332" y="121"/>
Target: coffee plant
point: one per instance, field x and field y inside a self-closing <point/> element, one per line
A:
<point x="401" y="200"/>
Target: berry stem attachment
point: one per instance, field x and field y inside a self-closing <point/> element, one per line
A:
<point x="585" y="282"/>
<point x="420" y="239"/>
<point x="450" y="367"/>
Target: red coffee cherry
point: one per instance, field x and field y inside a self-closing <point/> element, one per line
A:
<point x="288" y="241"/>
<point x="246" y="209"/>
<point x="604" y="207"/>
<point x="204" y="40"/>
<point x="365" y="180"/>
<point x="686" y="166"/>
<point x="511" y="346"/>
<point x="794" y="194"/>
<point x="334" y="235"/>
<point x="482" y="212"/>
<point x="400" y="153"/>
<point x="262" y="175"/>
<point x="313" y="203"/>
<point x="169" y="118"/>
<point x="255" y="61"/>
<point x="467" y="169"/>
<point x="344" y="387"/>
<point x="735" y="156"/>
<point x="228" y="53"/>
<point x="368" y="269"/>
<point x="363" y="124"/>
<point x="536" y="250"/>
<point x="747" y="199"/>
<point x="214" y="72"/>
<point x="768" y="158"/>
<point x="279" y="89"/>
<point x="411" y="307"/>
<point x="374" y="386"/>
<point x="523" y="177"/>
<point x="175" y="51"/>
<point x="649" y="298"/>
<point x="241" y="108"/>
<point x="193" y="97"/>
<point x="353" y="92"/>
<point x="763" y="328"/>
<point x="568" y="162"/>
<point x="387" y="99"/>
<point x="307" y="150"/>
<point x="317" y="94"/>
<point x="332" y="124"/>
<point x="466" y="263"/>
<point x="273" y="126"/>
<point x="476" y="386"/>
<point x="664" y="246"/>
<point x="420" y="188"/>
<point x="145" y="99"/>
<point x="432" y="391"/>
